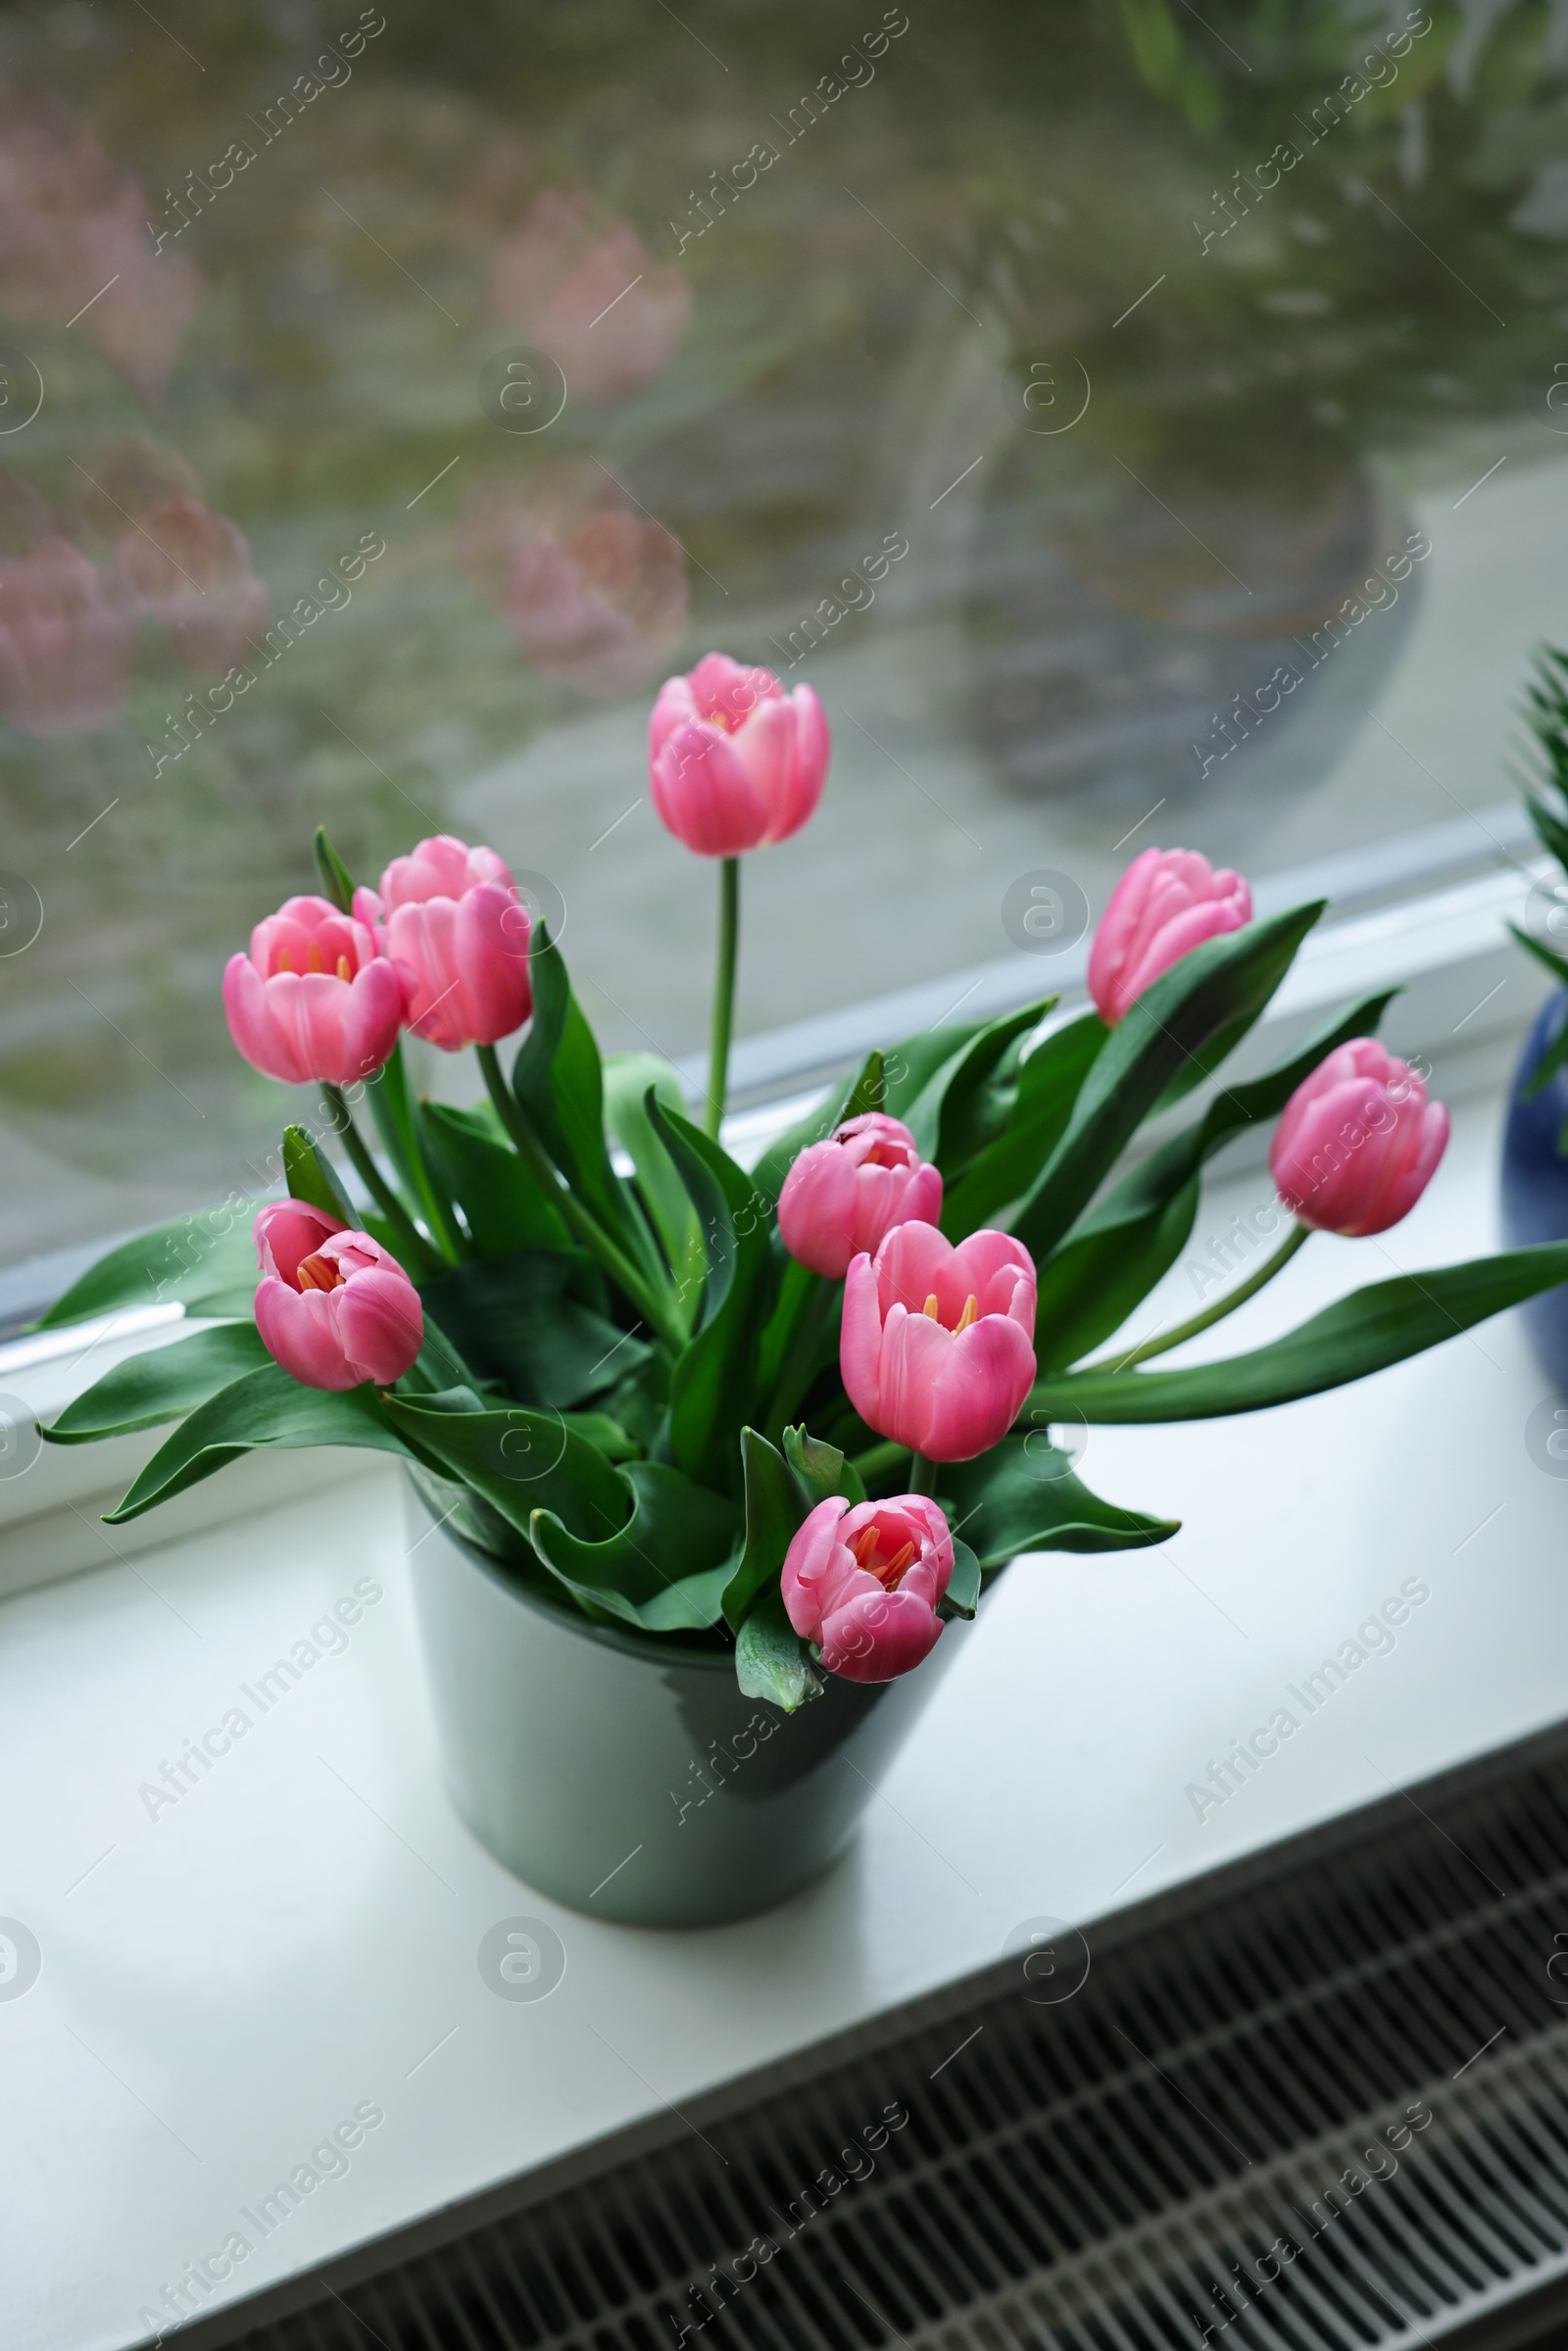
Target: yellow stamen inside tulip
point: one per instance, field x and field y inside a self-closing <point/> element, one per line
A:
<point x="283" y="964"/>
<point x="343" y="972"/>
<point x="971" y="1312"/>
<point x="317" y="1272"/>
<point x="865" y="1550"/>
<point x="930" y="1307"/>
<point x="312" y="962"/>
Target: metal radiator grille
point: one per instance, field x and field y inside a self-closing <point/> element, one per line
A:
<point x="1167" y="2156"/>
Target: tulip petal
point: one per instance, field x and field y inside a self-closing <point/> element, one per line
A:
<point x="703" y="793"/>
<point x="979" y="1389"/>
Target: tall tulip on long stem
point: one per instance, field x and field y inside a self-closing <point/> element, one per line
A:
<point x="734" y="763"/>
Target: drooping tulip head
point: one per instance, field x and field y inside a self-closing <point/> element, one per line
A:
<point x="843" y="1194"/>
<point x="734" y="761"/>
<point x="937" y="1343"/>
<point x="1166" y="903"/>
<point x="1358" y="1142"/>
<point x="314" y="999"/>
<point x="333" y="1307"/>
<point x="451" y="915"/>
<point x="864" y="1584"/>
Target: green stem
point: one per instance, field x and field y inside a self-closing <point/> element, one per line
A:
<point x="586" y="1227"/>
<point x="800" y="1358"/>
<point x="729" y="939"/>
<point x="376" y="1183"/>
<point x="1211" y="1315"/>
<point x="922" y="1475"/>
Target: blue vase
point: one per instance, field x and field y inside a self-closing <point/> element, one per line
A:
<point x="1535" y="1183"/>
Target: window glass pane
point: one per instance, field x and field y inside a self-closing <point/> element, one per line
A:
<point x="1138" y="426"/>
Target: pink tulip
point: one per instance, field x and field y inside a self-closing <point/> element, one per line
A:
<point x="332" y="1307"/>
<point x="1357" y="1143"/>
<point x="734" y="761"/>
<point x="1166" y="903"/>
<point x="936" y="1344"/>
<point x="312" y="1000"/>
<point x="843" y="1196"/>
<point x="191" y="569"/>
<point x="452" y="917"/>
<point x="67" y="637"/>
<point x="864" y="1584"/>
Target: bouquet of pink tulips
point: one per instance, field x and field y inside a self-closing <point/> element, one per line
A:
<point x="804" y="1409"/>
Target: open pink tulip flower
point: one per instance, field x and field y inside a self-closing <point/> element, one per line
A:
<point x="734" y="761"/>
<point x="1358" y="1142"/>
<point x="333" y="1307"/>
<point x="1168" y="901"/>
<point x="314" y="999"/>
<point x="450" y="916"/>
<point x="864" y="1584"/>
<point x="843" y="1196"/>
<point x="937" y="1343"/>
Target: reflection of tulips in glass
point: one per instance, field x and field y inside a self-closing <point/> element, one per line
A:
<point x="191" y="569"/>
<point x="73" y="234"/>
<point x="66" y="636"/>
<point x="589" y="295"/>
<point x="594" y="593"/>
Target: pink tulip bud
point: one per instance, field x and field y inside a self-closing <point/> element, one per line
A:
<point x="843" y="1196"/>
<point x="313" y="998"/>
<point x="864" y="1584"/>
<point x="936" y="1344"/>
<point x="1166" y="903"/>
<point x="452" y="915"/>
<point x="1357" y="1143"/>
<point x="332" y="1307"/>
<point x="734" y="761"/>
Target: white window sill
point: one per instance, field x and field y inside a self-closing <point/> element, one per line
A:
<point x="223" y="1984"/>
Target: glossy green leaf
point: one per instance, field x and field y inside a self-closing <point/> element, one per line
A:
<point x="559" y="1080"/>
<point x="501" y="1205"/>
<point x="311" y="1179"/>
<point x="771" y="1660"/>
<point x="628" y="1077"/>
<point x="1023" y="1496"/>
<point x="957" y="1113"/>
<point x="1109" y="1263"/>
<point x="520" y="1460"/>
<point x="1360" y="1334"/>
<point x="161" y="1384"/>
<point x="265" y="1407"/>
<point x="337" y="884"/>
<point x="1048" y="1084"/>
<point x="521" y="1320"/>
<point x="206" y="1259"/>
<point x="714" y="1383"/>
<point x="1219" y="989"/>
<point x="963" y="1596"/>
<point x="822" y="1468"/>
<point x="776" y="1506"/>
<point x="665" y="1569"/>
<point x="914" y="1061"/>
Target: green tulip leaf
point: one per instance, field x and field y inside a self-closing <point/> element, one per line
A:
<point x="821" y="1469"/>
<point x="337" y="883"/>
<point x="963" y="1596"/>
<point x="665" y="1569"/>
<point x="965" y="1101"/>
<point x="1214" y="992"/>
<point x="559" y="1080"/>
<point x="520" y="1460"/>
<point x="476" y="1166"/>
<point x="771" y="1660"/>
<point x="521" y="1321"/>
<point x="1358" y="1335"/>
<point x="1107" y="1264"/>
<point x="714" y="1386"/>
<point x="205" y="1261"/>
<point x="264" y="1407"/>
<point x="310" y="1178"/>
<point x="1023" y="1496"/>
<point x="1048" y="1084"/>
<point x="161" y="1384"/>
<point x="628" y="1079"/>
